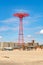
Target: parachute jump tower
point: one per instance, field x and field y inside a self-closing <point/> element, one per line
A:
<point x="21" y="35"/>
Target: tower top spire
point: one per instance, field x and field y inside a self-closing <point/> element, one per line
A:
<point x="21" y="15"/>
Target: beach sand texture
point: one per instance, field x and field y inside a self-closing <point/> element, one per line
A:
<point x="20" y="57"/>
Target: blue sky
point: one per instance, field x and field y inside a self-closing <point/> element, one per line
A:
<point x="33" y="25"/>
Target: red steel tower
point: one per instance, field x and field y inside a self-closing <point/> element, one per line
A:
<point x="21" y="37"/>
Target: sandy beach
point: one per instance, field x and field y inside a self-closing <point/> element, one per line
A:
<point x="20" y="57"/>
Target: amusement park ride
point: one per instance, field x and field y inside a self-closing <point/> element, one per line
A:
<point x="21" y="35"/>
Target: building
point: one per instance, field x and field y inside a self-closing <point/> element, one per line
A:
<point x="32" y="45"/>
<point x="13" y="45"/>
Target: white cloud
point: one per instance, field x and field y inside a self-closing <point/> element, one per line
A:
<point x="14" y="20"/>
<point x="9" y="20"/>
<point x="4" y="28"/>
<point x="21" y="10"/>
<point x="29" y="36"/>
<point x="1" y="37"/>
<point x="34" y="28"/>
<point x="41" y="31"/>
<point x="12" y="28"/>
<point x="34" y="18"/>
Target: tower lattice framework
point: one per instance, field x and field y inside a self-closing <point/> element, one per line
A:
<point x="21" y="35"/>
